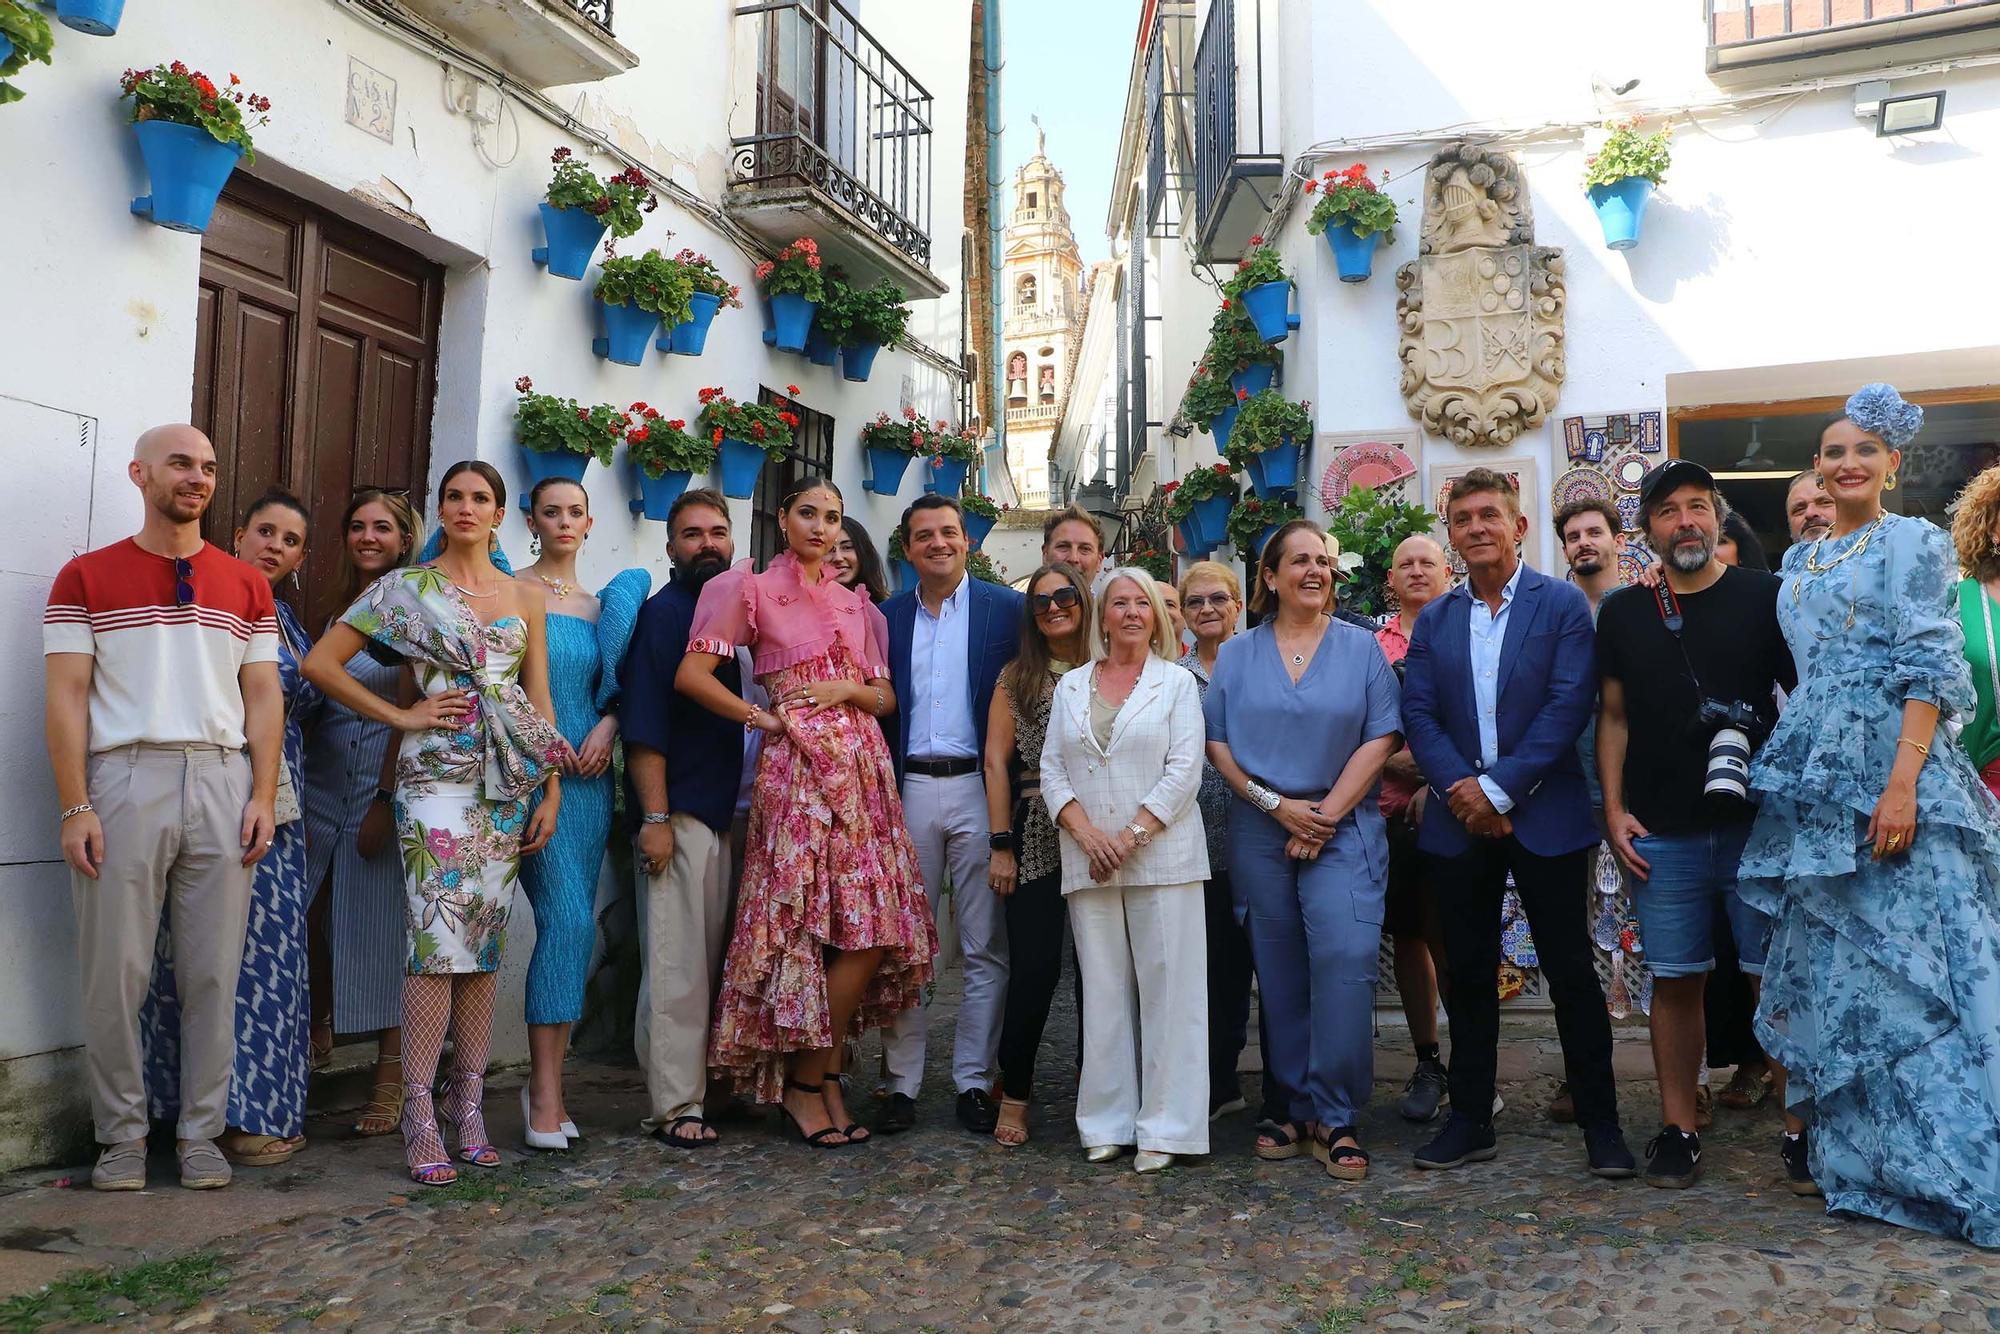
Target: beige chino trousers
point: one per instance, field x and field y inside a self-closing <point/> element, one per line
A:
<point x="687" y="920"/>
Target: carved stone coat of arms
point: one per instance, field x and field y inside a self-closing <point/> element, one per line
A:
<point x="1481" y="307"/>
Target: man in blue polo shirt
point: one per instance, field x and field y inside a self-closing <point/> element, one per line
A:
<point x="685" y="763"/>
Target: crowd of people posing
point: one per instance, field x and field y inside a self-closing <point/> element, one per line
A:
<point x="1788" y="769"/>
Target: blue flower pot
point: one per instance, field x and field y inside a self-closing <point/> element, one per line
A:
<point x="6" y="47"/>
<point x="1269" y="308"/>
<point x="1194" y="537"/>
<point x="690" y="336"/>
<point x="906" y="574"/>
<point x="1211" y="517"/>
<point x="820" y="349"/>
<point x="791" y="321"/>
<point x="1254" y="378"/>
<point x="1224" y="423"/>
<point x="188" y="167"/>
<point x="858" y="362"/>
<point x="628" y="329"/>
<point x="573" y="235"/>
<point x="1277" y="470"/>
<point x="99" y="18"/>
<point x="977" y="526"/>
<point x="542" y="464"/>
<point x="1353" y="255"/>
<point x="742" y="464"/>
<point x="885" y="470"/>
<point x="947" y="478"/>
<point x="1262" y="538"/>
<point x="1621" y="208"/>
<point x="658" y="494"/>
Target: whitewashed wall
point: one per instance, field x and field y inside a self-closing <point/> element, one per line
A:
<point x="98" y="343"/>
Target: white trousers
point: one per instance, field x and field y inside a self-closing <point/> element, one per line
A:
<point x="1143" y="954"/>
<point x="948" y="823"/>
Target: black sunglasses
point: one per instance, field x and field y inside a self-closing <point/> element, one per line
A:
<point x="1062" y="597"/>
<point x="183" y="582"/>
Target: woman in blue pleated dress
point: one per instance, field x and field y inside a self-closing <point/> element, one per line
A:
<point x="587" y="638"/>
<point x="1876" y="852"/>
<point x="267" y="1088"/>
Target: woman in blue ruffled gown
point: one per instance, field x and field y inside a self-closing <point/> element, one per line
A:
<point x="587" y="638"/>
<point x="1877" y="854"/>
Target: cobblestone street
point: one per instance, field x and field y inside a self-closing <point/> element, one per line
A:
<point x="941" y="1230"/>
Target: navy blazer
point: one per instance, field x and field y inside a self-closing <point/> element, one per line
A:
<point x="992" y="640"/>
<point x="1547" y="692"/>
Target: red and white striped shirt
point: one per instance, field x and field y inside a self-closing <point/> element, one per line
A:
<point x="165" y="673"/>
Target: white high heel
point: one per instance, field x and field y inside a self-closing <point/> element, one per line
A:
<point x="570" y="1132"/>
<point x="538" y="1139"/>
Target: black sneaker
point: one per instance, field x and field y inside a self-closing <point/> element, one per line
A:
<point x="1605" y="1146"/>
<point x="1426" y="1092"/>
<point x="1461" y="1141"/>
<point x="1798" y="1169"/>
<point x="1673" y="1159"/>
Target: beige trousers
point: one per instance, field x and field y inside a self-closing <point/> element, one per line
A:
<point x="173" y="821"/>
<point x="686" y="922"/>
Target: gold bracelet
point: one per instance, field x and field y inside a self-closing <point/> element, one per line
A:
<point x="1922" y="749"/>
<point x="881" y="705"/>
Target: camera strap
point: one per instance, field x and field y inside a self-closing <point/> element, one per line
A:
<point x="1670" y="608"/>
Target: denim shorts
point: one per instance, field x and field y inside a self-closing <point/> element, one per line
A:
<point x="1692" y="876"/>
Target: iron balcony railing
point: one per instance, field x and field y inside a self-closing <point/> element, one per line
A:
<point x="1731" y="22"/>
<point x="1236" y="161"/>
<point x="597" y="11"/>
<point x="837" y="113"/>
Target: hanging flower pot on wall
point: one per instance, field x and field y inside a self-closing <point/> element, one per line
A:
<point x="1268" y="305"/>
<point x="945" y="477"/>
<point x="1355" y="217"/>
<point x="573" y="235"/>
<point x="742" y="464"/>
<point x="794" y="285"/>
<point x="558" y="437"/>
<point x="746" y="435"/>
<point x="690" y="336"/>
<point x="886" y="467"/>
<point x="1268" y="440"/>
<point x="99" y="18"/>
<point x="627" y="330"/>
<point x="1353" y="254"/>
<point x="857" y="363"/>
<point x="820" y="350"/>
<point x="1254" y="378"/>
<point x="1621" y="210"/>
<point x="188" y="167"/>
<point x="658" y="494"/>
<point x="1620" y="178"/>
<point x="665" y="457"/>
<point x="579" y="208"/>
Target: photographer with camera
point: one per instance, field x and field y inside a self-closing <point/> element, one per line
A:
<point x="1689" y="668"/>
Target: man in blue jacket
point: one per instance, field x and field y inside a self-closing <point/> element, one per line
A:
<point x="948" y="639"/>
<point x="1501" y="677"/>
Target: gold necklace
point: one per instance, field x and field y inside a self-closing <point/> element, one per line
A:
<point x="1814" y="567"/>
<point x="562" y="588"/>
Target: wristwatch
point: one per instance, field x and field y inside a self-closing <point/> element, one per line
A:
<point x="1266" y="800"/>
<point x="1002" y="842"/>
<point x="654" y="817"/>
<point x="385" y="796"/>
<point x="1140" y="834"/>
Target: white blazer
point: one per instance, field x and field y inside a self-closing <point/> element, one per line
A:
<point x="1154" y="761"/>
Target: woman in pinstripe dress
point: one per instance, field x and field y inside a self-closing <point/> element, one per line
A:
<point x="351" y="852"/>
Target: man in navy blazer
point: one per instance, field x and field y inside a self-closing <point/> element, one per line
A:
<point x="1500" y="679"/>
<point x="948" y="639"/>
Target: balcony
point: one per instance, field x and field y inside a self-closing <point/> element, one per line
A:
<point x="1237" y="166"/>
<point x="834" y="144"/>
<point x="1168" y="117"/>
<point x="547" y="43"/>
<point x="1816" y="37"/>
<point x="1035" y="414"/>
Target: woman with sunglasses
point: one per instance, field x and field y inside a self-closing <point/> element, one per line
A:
<point x="587" y="639"/>
<point x="475" y="695"/>
<point x="267" y="1088"/>
<point x="854" y="563"/>
<point x="1027" y="873"/>
<point x="355" y="925"/>
<point x="1212" y="602"/>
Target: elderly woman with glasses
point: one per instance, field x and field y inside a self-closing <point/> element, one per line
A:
<point x="1027" y="872"/>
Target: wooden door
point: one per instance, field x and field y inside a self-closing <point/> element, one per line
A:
<point x="315" y="367"/>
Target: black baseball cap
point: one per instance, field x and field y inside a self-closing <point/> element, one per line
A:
<point x="1671" y="476"/>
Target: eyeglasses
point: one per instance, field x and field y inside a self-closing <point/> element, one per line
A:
<point x="183" y="582"/>
<point x="1064" y="598"/>
<point x="1220" y="601"/>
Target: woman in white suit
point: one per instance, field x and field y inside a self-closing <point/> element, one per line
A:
<point x="1120" y="768"/>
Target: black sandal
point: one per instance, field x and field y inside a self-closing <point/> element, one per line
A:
<point x="1344" y="1162"/>
<point x="856" y="1129"/>
<point x="819" y="1139"/>
<point x="1287" y="1145"/>
<point x="669" y="1134"/>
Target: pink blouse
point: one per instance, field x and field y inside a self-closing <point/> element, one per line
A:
<point x="784" y="620"/>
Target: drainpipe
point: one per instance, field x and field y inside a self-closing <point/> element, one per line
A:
<point x="996" y="368"/>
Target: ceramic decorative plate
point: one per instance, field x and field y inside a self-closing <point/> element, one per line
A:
<point x="1580" y="484"/>
<point x="1371" y="464"/>
<point x="1628" y="510"/>
<point x="1630" y="471"/>
<point x="1631" y="560"/>
<point x="1651" y="441"/>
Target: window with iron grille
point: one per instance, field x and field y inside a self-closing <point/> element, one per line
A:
<point x="811" y="455"/>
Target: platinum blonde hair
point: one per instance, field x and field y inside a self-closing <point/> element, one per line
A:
<point x="1163" y="645"/>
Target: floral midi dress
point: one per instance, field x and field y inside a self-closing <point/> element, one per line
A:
<point x="461" y="793"/>
<point x="828" y="861"/>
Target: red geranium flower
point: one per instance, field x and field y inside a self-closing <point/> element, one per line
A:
<point x="523" y="385"/>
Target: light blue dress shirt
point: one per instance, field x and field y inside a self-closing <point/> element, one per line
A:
<point x="941" y="724"/>
<point x="1488" y="632"/>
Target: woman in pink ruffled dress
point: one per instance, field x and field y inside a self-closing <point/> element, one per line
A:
<point x="833" y="932"/>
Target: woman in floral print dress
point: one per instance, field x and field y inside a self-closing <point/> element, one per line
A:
<point x="476" y="697"/>
<point x="833" y="933"/>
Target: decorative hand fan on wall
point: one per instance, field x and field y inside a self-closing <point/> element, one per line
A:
<point x="1375" y="464"/>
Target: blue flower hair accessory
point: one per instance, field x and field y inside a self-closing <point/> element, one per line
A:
<point x="1878" y="409"/>
<point x="434" y="547"/>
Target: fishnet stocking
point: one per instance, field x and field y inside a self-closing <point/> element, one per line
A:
<point x="426" y="1012"/>
<point x="472" y="1000"/>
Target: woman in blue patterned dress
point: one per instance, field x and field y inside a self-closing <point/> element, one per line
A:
<point x="267" y="1088"/>
<point x="1876" y="854"/>
<point x="476" y="699"/>
<point x="588" y="637"/>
